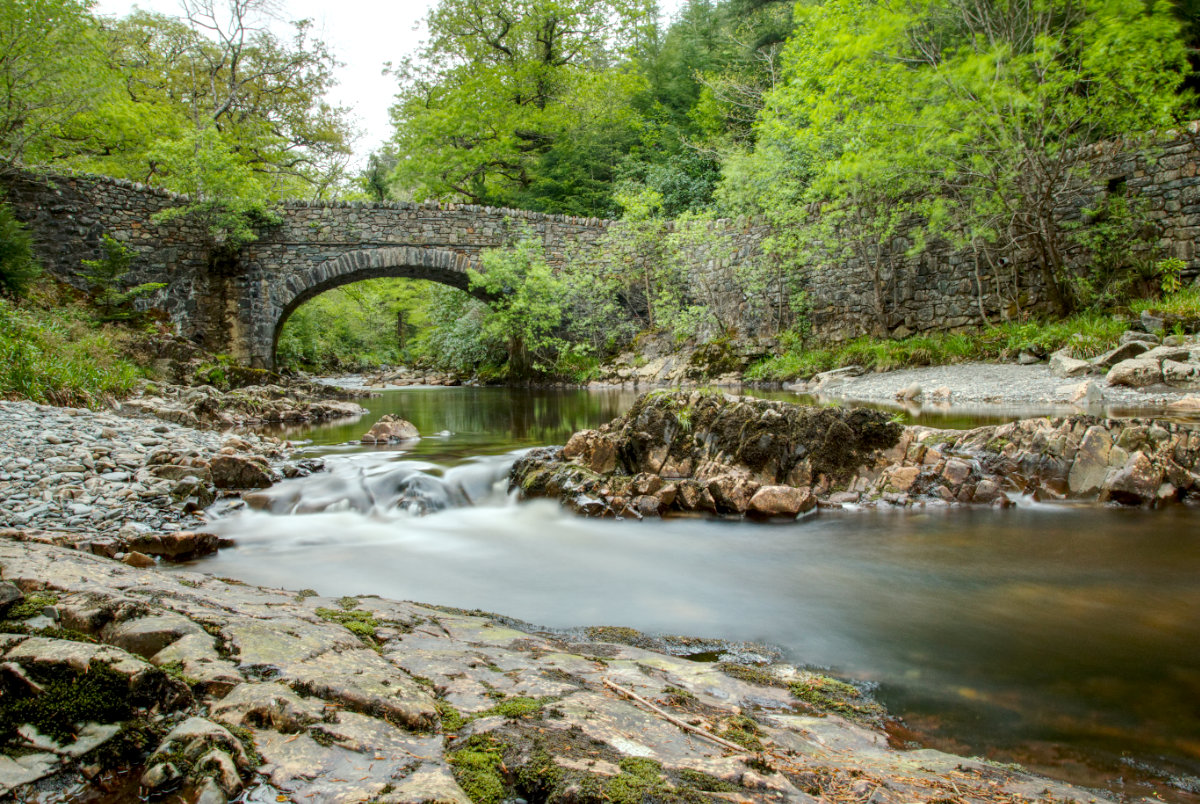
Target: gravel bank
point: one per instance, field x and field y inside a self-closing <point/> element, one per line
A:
<point x="997" y="383"/>
<point x="98" y="473"/>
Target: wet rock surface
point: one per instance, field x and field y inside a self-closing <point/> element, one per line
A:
<point x="716" y="453"/>
<point x="390" y="429"/>
<point x="293" y="697"/>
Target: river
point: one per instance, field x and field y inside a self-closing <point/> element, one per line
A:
<point x="1063" y="637"/>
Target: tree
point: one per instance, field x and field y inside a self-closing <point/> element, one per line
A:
<point x="49" y="73"/>
<point x="973" y="113"/>
<point x="500" y="84"/>
<point x="526" y="305"/>
<point x="106" y="282"/>
<point x="217" y="69"/>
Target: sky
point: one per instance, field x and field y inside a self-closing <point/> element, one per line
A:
<point x="362" y="34"/>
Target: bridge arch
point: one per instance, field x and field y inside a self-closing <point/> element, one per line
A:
<point x="400" y="262"/>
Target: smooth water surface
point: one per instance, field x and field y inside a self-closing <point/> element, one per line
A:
<point x="1063" y="637"/>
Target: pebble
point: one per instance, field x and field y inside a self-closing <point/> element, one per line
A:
<point x="88" y="471"/>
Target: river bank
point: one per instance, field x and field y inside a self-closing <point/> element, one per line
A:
<point x="116" y="484"/>
<point x="704" y="452"/>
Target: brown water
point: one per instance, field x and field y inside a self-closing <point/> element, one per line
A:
<point x="1063" y="637"/>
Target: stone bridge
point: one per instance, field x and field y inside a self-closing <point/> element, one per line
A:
<point x="239" y="308"/>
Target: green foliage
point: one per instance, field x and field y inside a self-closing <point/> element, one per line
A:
<point x="225" y="195"/>
<point x="1117" y="239"/>
<point x="526" y="305"/>
<point x="105" y="279"/>
<point x="213" y="105"/>
<point x="512" y="100"/>
<point x="951" y="118"/>
<point x="1185" y="304"/>
<point x="359" y="326"/>
<point x="60" y="357"/>
<point x="50" y="72"/>
<point x="17" y="265"/>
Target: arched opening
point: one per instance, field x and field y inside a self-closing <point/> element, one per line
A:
<point x="368" y="294"/>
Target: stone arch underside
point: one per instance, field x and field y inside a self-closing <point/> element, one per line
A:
<point x="402" y="262"/>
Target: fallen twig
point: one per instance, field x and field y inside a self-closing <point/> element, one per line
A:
<point x="708" y="735"/>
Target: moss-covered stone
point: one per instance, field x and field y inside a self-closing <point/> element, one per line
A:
<point x="66" y="699"/>
<point x="831" y="695"/>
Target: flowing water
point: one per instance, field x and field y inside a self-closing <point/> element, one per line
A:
<point x="1063" y="637"/>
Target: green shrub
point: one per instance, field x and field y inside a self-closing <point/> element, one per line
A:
<point x="60" y="357"/>
<point x="17" y="266"/>
<point x="106" y="282"/>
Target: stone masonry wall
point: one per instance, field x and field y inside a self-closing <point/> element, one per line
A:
<point x="943" y="289"/>
<point x="238" y="308"/>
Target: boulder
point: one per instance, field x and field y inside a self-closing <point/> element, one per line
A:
<point x="179" y="546"/>
<point x="1090" y="468"/>
<point x="1063" y="365"/>
<point x="238" y="472"/>
<point x="838" y="376"/>
<point x="913" y="391"/>
<point x="901" y="478"/>
<point x="1135" y="373"/>
<point x="956" y="472"/>
<point x="1029" y="357"/>
<point x="1155" y="321"/>
<point x="782" y="501"/>
<point x="1160" y="353"/>
<point x="10" y="593"/>
<point x="390" y="429"/>
<point x="1134" y="335"/>
<point x="1188" y="404"/>
<point x="146" y="636"/>
<point x="732" y="493"/>
<point x="1126" y="351"/>
<point x="140" y="560"/>
<point x="1136" y="483"/>
<point x="1087" y="393"/>
<point x="1181" y="375"/>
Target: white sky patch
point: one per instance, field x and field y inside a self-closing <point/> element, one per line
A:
<point x="363" y="35"/>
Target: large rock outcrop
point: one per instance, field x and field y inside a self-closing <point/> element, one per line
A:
<point x="715" y="453"/>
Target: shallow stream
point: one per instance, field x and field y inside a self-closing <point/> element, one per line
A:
<point x="1063" y="637"/>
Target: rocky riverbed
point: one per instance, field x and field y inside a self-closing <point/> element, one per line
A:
<point x="711" y="453"/>
<point x="135" y="681"/>
<point x="115" y="484"/>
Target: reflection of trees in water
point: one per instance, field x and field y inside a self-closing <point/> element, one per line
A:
<point x="512" y="417"/>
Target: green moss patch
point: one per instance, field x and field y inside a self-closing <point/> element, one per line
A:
<point x="31" y="606"/>
<point x="101" y="694"/>
<point x="360" y="623"/>
<point x="831" y="695"/>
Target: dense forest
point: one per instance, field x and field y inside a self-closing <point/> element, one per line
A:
<point x="967" y="115"/>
